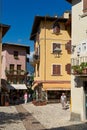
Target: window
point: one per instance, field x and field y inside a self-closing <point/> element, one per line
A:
<point x="18" y="69"/>
<point x="11" y="68"/>
<point x="55" y="45"/>
<point x="78" y="49"/>
<point x="83" y="47"/>
<point x="15" y="54"/>
<point x="84" y="6"/>
<point x="56" y="69"/>
<point x="56" y="28"/>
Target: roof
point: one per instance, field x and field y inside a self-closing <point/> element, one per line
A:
<point x="37" y="21"/>
<point x="18" y="45"/>
<point x="70" y="1"/>
<point x="4" y="28"/>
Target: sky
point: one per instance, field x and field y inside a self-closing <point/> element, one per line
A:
<point x="19" y="14"/>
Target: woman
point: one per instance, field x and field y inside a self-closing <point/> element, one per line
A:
<point x="25" y="98"/>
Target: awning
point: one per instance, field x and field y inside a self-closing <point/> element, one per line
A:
<point x="64" y="86"/>
<point x="18" y="86"/>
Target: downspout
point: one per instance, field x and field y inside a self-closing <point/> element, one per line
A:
<point x="45" y="50"/>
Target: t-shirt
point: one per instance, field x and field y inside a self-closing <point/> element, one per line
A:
<point x="25" y="96"/>
<point x="63" y="98"/>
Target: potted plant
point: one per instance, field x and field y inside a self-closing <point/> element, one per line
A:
<point x="84" y="67"/>
<point x="77" y="69"/>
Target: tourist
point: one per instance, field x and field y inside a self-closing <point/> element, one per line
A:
<point x="63" y="100"/>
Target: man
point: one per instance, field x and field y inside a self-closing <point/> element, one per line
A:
<point x="63" y="100"/>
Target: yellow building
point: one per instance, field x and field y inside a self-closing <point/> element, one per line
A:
<point x="51" y="59"/>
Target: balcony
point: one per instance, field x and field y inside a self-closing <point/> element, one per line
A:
<point x="79" y="66"/>
<point x="15" y="72"/>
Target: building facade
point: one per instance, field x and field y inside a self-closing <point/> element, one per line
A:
<point x="3" y="30"/>
<point x="14" y="70"/>
<point x="51" y="59"/>
<point x="79" y="60"/>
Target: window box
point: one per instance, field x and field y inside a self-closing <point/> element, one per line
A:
<point x="80" y="69"/>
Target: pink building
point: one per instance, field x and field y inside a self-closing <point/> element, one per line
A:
<point x="14" y="66"/>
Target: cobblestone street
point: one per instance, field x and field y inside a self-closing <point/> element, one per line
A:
<point x="30" y="117"/>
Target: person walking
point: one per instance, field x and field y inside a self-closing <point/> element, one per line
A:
<point x="25" y="97"/>
<point x="63" y="100"/>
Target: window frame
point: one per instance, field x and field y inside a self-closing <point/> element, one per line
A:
<point x="59" y="69"/>
<point x="57" y="44"/>
<point x="15" y="54"/>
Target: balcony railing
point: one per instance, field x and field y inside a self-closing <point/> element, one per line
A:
<point x="15" y="72"/>
<point x="79" y="66"/>
<point x="79" y="60"/>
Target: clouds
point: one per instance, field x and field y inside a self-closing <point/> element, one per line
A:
<point x="31" y="55"/>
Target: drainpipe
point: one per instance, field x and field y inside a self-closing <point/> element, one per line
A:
<point x="45" y="50"/>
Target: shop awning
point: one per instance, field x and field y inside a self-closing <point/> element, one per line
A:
<point x="57" y="86"/>
<point x="18" y="86"/>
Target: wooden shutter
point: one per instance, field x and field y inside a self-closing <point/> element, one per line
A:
<point x="84" y="6"/>
<point x="68" y="68"/>
<point x="56" y="69"/>
<point x="68" y="47"/>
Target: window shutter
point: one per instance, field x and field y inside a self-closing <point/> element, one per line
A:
<point x="56" y="69"/>
<point x="68" y="68"/>
<point x="68" y="47"/>
<point x="84" y="6"/>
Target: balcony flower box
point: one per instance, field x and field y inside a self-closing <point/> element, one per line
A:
<point x="80" y="69"/>
<point x="77" y="69"/>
